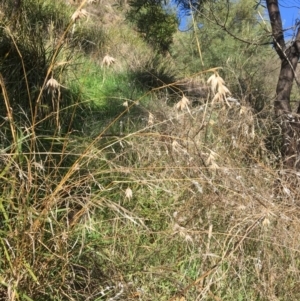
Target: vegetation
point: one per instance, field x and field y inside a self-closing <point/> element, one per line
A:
<point x="127" y="173"/>
<point x="208" y="46"/>
<point x="154" y="22"/>
<point x="289" y="57"/>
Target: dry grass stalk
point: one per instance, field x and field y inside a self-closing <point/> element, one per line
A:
<point x="79" y="14"/>
<point x="108" y="60"/>
<point x="182" y="104"/>
<point x="52" y="86"/>
<point x="150" y="119"/>
<point x="128" y="193"/>
<point x="218" y="88"/>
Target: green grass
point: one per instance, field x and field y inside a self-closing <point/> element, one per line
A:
<point x="104" y="88"/>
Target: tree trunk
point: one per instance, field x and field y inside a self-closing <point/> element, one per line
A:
<point x="289" y="56"/>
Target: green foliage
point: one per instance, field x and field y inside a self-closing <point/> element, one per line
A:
<point x="189" y="6"/>
<point x="238" y="18"/>
<point x="234" y="41"/>
<point x="154" y="23"/>
<point x="41" y="15"/>
<point x="26" y="55"/>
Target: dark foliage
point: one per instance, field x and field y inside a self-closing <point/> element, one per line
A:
<point x="187" y="6"/>
<point x="153" y="75"/>
<point x="155" y="24"/>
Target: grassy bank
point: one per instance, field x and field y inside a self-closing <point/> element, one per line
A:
<point x="111" y="191"/>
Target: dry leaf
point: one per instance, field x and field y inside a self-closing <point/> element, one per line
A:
<point x="233" y="100"/>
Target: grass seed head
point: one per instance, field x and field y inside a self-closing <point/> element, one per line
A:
<point x="218" y="88"/>
<point x="213" y="82"/>
<point x="79" y="14"/>
<point x="128" y="193"/>
<point x="266" y="222"/>
<point x="108" y="60"/>
<point x="182" y="104"/>
<point x="211" y="160"/>
<point x="52" y="85"/>
<point x="150" y="119"/>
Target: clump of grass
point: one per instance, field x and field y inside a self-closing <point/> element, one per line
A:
<point x="89" y="38"/>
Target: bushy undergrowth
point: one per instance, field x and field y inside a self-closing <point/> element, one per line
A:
<point x="110" y="197"/>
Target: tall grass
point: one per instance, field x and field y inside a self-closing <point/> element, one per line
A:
<point x="140" y="201"/>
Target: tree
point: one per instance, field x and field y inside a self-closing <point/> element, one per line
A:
<point x="289" y="56"/>
<point x="155" y="23"/>
<point x="219" y="49"/>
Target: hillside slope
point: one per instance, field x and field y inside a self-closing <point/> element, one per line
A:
<point x="118" y="184"/>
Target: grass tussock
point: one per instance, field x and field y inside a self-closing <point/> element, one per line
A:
<point x="114" y="194"/>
